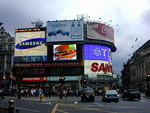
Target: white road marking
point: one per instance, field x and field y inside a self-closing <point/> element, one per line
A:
<point x="26" y="109"/>
<point x="143" y="101"/>
<point x="46" y="103"/>
<point x="98" y="104"/>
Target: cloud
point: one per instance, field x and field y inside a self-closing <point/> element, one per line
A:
<point x="131" y="16"/>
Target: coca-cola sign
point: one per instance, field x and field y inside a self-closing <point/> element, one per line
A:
<point x="100" y="31"/>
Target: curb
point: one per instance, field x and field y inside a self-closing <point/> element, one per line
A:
<point x="33" y="99"/>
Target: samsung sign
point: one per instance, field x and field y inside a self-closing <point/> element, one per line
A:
<point x="97" y="52"/>
<point x="31" y="43"/>
<point x="30" y="46"/>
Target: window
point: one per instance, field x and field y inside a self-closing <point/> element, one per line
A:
<point x="9" y="47"/>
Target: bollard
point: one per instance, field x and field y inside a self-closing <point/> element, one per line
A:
<point x="41" y="97"/>
<point x="60" y="95"/>
<point x="11" y="106"/>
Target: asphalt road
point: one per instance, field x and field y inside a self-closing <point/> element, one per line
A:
<point x="73" y="105"/>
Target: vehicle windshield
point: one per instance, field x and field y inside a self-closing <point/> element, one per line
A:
<point x="88" y="90"/>
<point x="133" y="90"/>
<point x="111" y="92"/>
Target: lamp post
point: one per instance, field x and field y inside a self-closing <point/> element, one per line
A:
<point x="147" y="85"/>
<point x="11" y="106"/>
<point x="61" y="80"/>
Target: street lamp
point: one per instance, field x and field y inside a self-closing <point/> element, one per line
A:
<point x="61" y="80"/>
<point x="147" y="91"/>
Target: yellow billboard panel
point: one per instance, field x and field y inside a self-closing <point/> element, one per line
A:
<point x="30" y="44"/>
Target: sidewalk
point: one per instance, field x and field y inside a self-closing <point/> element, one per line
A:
<point x="35" y="99"/>
<point x="44" y="99"/>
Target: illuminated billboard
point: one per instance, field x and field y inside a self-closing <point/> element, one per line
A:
<point x="65" y="52"/>
<point x="99" y="31"/>
<point x="30" y="46"/>
<point x="31" y="79"/>
<point x="97" y="67"/>
<point x="69" y="30"/>
<point x="97" y="52"/>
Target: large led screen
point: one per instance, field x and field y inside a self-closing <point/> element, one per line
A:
<point x="30" y="46"/>
<point x="69" y="30"/>
<point x="100" y="31"/>
<point x="65" y="52"/>
<point x="97" y="52"/>
<point x="97" y="67"/>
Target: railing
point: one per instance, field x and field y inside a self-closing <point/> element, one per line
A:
<point x="4" y="110"/>
<point x="10" y="108"/>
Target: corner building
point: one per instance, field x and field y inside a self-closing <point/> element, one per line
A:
<point x="76" y="50"/>
<point x="6" y="55"/>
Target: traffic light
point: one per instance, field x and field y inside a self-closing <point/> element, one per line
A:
<point x="147" y="77"/>
<point x="83" y="82"/>
<point x="61" y="79"/>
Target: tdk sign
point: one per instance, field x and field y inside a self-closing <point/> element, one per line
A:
<point x="31" y="43"/>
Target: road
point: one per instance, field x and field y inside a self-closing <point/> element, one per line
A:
<point x="73" y="105"/>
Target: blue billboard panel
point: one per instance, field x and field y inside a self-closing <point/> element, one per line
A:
<point x="97" y="52"/>
<point x="30" y="59"/>
<point x="71" y="30"/>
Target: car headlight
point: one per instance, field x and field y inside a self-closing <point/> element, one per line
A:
<point x="105" y="96"/>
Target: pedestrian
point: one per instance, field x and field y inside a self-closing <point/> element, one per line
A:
<point x="65" y="93"/>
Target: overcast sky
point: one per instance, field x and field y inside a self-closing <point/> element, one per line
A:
<point x="132" y="17"/>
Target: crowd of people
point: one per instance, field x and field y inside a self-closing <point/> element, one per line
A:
<point x="35" y="92"/>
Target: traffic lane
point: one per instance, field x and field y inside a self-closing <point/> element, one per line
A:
<point x="33" y="107"/>
<point x="134" y="106"/>
<point x="105" y="107"/>
<point x="72" y="108"/>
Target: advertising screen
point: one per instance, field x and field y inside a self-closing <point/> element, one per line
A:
<point x="97" y="67"/>
<point x="97" y="52"/>
<point x="31" y="79"/>
<point x="100" y="31"/>
<point x="30" y="46"/>
<point x="58" y="31"/>
<point x="65" y="52"/>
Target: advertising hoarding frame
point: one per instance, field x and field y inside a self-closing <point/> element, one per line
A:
<point x="97" y="67"/>
<point x="28" y="43"/>
<point x="97" y="52"/>
<point x="67" y="30"/>
<point x="100" y="31"/>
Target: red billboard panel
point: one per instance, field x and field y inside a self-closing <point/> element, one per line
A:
<point x="100" y="31"/>
<point x="31" y="79"/>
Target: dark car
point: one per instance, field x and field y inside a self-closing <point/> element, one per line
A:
<point x="87" y="95"/>
<point x="110" y="96"/>
<point x="131" y="94"/>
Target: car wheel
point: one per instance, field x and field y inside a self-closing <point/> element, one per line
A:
<point x="123" y="98"/>
<point x="117" y="100"/>
<point x="82" y="99"/>
<point x="139" y="98"/>
<point x="92" y="100"/>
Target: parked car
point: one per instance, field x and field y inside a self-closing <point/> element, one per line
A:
<point x="87" y="94"/>
<point x="131" y="94"/>
<point x="110" y="96"/>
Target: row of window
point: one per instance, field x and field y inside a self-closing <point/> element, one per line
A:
<point x="3" y="67"/>
<point x="2" y="57"/>
<point x="6" y="47"/>
<point x="46" y="72"/>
